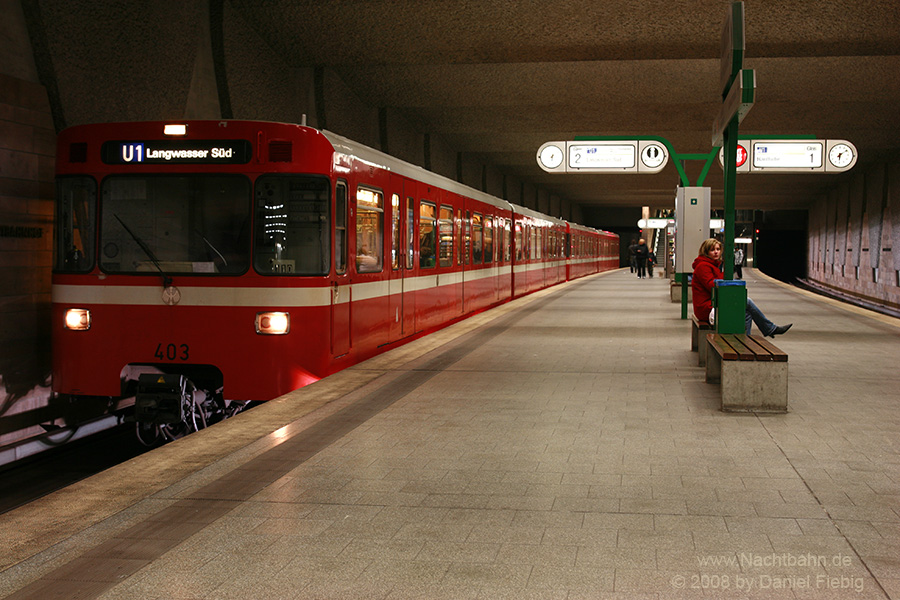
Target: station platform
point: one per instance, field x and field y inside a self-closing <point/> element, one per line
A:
<point x="562" y="446"/>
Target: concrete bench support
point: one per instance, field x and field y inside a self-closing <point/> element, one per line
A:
<point x="699" y="329"/>
<point x="753" y="373"/>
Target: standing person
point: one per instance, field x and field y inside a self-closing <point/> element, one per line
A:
<point x="651" y="260"/>
<point x="640" y="256"/>
<point x="632" y="260"/>
<point x="707" y="268"/>
<point x="738" y="263"/>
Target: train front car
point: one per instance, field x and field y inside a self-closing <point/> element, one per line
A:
<point x="176" y="276"/>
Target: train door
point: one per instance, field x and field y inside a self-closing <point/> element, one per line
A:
<point x="399" y="269"/>
<point x="340" y="285"/>
<point x="395" y="273"/>
<point x="409" y="226"/>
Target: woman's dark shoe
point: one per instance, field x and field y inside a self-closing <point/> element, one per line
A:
<point x="780" y="329"/>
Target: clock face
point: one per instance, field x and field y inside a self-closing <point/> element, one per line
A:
<point x="551" y="157"/>
<point x="840" y="155"/>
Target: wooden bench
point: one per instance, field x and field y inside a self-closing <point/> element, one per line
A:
<point x="699" y="329"/>
<point x="752" y="371"/>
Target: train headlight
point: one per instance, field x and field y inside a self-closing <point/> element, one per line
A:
<point x="273" y="323"/>
<point x="78" y="319"/>
<point x="175" y="129"/>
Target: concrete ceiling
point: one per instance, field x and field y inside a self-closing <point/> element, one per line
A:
<point x="497" y="78"/>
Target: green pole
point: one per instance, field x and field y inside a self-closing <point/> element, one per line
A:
<point x="730" y="145"/>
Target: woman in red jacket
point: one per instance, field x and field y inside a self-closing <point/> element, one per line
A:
<point x="707" y="268"/>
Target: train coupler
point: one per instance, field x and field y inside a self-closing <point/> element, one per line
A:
<point x="161" y="398"/>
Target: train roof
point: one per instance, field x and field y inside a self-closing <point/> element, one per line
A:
<point x="391" y="163"/>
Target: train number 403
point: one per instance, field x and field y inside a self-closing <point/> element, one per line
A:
<point x="172" y="352"/>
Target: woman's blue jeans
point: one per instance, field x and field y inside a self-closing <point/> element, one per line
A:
<point x="754" y="315"/>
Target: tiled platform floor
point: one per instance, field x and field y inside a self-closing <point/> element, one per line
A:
<point x="564" y="446"/>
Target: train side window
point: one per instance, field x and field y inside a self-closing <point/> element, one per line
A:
<point x="467" y="238"/>
<point x="427" y="235"/>
<point x="73" y="236"/>
<point x="520" y="242"/>
<point x="507" y="240"/>
<point x="446" y="236"/>
<point x="488" y="239"/>
<point x="292" y="222"/>
<point x="369" y="230"/>
<point x="459" y="237"/>
<point x="340" y="227"/>
<point x="396" y="232"/>
<point x="477" y="238"/>
<point x="410" y="232"/>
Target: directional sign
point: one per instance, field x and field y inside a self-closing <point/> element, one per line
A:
<point x="732" y="45"/>
<point x="603" y="156"/>
<point x="795" y="156"/>
<point x="655" y="223"/>
<point x="600" y="156"/>
<point x="738" y="103"/>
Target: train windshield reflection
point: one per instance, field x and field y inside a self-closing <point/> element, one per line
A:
<point x="175" y="224"/>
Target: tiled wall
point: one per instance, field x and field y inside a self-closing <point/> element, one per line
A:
<point x="856" y="230"/>
<point x="27" y="150"/>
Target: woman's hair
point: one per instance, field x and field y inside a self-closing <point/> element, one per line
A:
<point x="708" y="245"/>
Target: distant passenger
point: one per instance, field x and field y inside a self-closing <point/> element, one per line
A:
<point x="640" y="257"/>
<point x="651" y="260"/>
<point x="708" y="268"/>
<point x="738" y="263"/>
<point x="632" y="261"/>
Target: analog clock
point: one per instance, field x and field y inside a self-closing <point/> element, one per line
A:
<point x="840" y="155"/>
<point x="551" y="157"/>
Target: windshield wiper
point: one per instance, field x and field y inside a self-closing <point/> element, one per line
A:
<point x="211" y="247"/>
<point x="167" y="281"/>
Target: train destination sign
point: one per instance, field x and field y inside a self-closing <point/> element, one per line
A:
<point x="154" y="152"/>
<point x="606" y="156"/>
<point x="795" y="156"/>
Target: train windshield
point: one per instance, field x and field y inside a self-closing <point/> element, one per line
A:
<point x="175" y="224"/>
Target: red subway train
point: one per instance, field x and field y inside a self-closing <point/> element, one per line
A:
<point x="203" y="264"/>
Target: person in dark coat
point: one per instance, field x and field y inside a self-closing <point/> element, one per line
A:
<point x="640" y="256"/>
<point x="632" y="260"/>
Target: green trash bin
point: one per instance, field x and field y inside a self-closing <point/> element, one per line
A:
<point x="730" y="302"/>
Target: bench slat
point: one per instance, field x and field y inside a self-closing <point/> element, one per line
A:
<point x="759" y="351"/>
<point x="745" y="347"/>
<point x="721" y="346"/>
<point x="701" y="324"/>
<point x="740" y="349"/>
<point x="777" y="354"/>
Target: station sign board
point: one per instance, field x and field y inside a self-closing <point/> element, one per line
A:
<point x="603" y="156"/>
<point x="663" y="223"/>
<point x="794" y="156"/>
<point x="737" y="103"/>
<point x="733" y="46"/>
